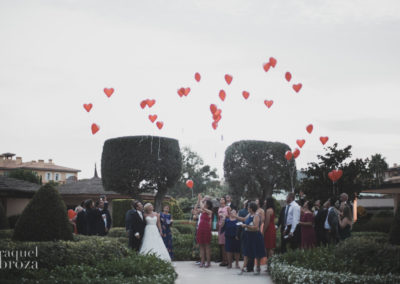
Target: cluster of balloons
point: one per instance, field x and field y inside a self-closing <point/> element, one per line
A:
<point x="152" y="117"/>
<point x="88" y="107"/>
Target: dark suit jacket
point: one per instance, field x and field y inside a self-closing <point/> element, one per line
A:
<point x="101" y="230"/>
<point x="81" y="223"/>
<point x="333" y="221"/>
<point x="128" y="218"/>
<point x="320" y="219"/>
<point x="282" y="219"/>
<point x="137" y="226"/>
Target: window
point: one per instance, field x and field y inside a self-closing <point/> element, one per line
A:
<point x="48" y="176"/>
<point x="57" y="177"/>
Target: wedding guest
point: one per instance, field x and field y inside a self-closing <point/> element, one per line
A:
<point x="307" y="229"/>
<point x="222" y="214"/>
<point x="166" y="222"/>
<point x="129" y="216"/>
<point x="203" y="236"/>
<point x="261" y="213"/>
<point x="72" y="219"/>
<point x="105" y="214"/>
<point x="292" y="229"/>
<point x="319" y="221"/>
<point x="81" y="221"/>
<point x="228" y="200"/>
<point x="243" y="213"/>
<point x="232" y="243"/>
<point x="100" y="219"/>
<point x="269" y="227"/>
<point x="331" y="224"/>
<point x="92" y="215"/>
<point x="253" y="239"/>
<point x="345" y="223"/>
<point x="282" y="224"/>
<point x="344" y="199"/>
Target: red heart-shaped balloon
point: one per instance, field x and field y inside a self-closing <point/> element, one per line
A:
<point x="95" y="128"/>
<point x="228" y="78"/>
<point x="288" y="76"/>
<point x="197" y="77"/>
<point x="108" y="91"/>
<point x="181" y="92"/>
<point x="288" y="155"/>
<point x="245" y="94"/>
<point x="153" y="117"/>
<point x="189" y="183"/>
<point x="187" y="91"/>
<point x="300" y="142"/>
<point x="266" y="66"/>
<point x="217" y="112"/>
<point x="217" y="118"/>
<point x="215" y="125"/>
<point x="143" y="104"/>
<point x="297" y="87"/>
<point x="222" y="95"/>
<point x="160" y="124"/>
<point x="296" y="153"/>
<point x="335" y="175"/>
<point x="272" y="61"/>
<point x="309" y="128"/>
<point x="213" y="108"/>
<point x="324" y="139"/>
<point x="151" y="103"/>
<point x="88" y="107"/>
<point x="268" y="103"/>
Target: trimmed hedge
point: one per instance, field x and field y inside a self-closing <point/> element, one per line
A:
<point x="185" y="228"/>
<point x="117" y="232"/>
<point x="6" y="234"/>
<point x="375" y="224"/>
<point x="119" y="209"/>
<point x="44" y="218"/>
<point x="363" y="258"/>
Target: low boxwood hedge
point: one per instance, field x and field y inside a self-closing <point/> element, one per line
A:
<point x="185" y="228"/>
<point x="375" y="224"/>
<point x="363" y="258"/>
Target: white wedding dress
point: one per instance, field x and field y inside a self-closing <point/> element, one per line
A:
<point x="152" y="241"/>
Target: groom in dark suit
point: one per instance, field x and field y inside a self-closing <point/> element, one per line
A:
<point x="137" y="224"/>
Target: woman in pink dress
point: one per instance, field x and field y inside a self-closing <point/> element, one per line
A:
<point x="222" y="214"/>
<point x="307" y="226"/>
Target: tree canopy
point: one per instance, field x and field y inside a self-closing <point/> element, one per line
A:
<point x="255" y="168"/>
<point x="193" y="167"/>
<point x="377" y="165"/>
<point x="135" y="164"/>
<point x="356" y="175"/>
<point x="26" y="175"/>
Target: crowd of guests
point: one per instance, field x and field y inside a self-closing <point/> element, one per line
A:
<point x="91" y="218"/>
<point x="251" y="231"/>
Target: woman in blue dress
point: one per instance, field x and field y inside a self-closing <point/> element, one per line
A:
<point x="232" y="242"/>
<point x="254" y="247"/>
<point x="166" y="222"/>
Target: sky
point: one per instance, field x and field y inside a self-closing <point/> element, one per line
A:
<point x="56" y="56"/>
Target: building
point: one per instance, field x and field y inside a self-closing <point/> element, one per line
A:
<point x="392" y="175"/>
<point x="47" y="171"/>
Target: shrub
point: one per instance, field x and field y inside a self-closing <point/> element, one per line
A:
<point x="119" y="209"/>
<point x="6" y="234"/>
<point x="3" y="218"/>
<point x="395" y="228"/>
<point x="12" y="220"/>
<point x="175" y="209"/>
<point x="88" y="250"/>
<point x="185" y="247"/>
<point x="26" y="175"/>
<point x="375" y="224"/>
<point x="117" y="232"/>
<point x="185" y="228"/>
<point x="44" y="218"/>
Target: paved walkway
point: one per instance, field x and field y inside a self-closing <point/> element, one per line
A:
<point x="189" y="272"/>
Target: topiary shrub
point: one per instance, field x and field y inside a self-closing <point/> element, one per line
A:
<point x="12" y="220"/>
<point x="394" y="237"/>
<point x="3" y="218"/>
<point x="119" y="209"/>
<point x="44" y="218"/>
<point x="185" y="228"/>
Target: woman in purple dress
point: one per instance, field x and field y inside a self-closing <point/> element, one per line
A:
<point x="166" y="222"/>
<point x="307" y="226"/>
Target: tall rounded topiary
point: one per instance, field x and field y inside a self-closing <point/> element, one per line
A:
<point x="135" y="164"/>
<point x="44" y="218"/>
<point x="3" y="218"/>
<point x="395" y="229"/>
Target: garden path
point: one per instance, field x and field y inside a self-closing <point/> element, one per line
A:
<point x="191" y="273"/>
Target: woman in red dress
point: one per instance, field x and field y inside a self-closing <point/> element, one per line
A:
<point x="307" y="226"/>
<point x="203" y="236"/>
<point x="269" y="227"/>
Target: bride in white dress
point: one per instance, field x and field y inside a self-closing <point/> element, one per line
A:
<point x="152" y="240"/>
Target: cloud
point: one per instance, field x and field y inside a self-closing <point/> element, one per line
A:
<point x="367" y="125"/>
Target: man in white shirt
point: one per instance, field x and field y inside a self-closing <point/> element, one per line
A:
<point x="292" y="229"/>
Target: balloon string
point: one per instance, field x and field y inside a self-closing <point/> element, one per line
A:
<point x="151" y="145"/>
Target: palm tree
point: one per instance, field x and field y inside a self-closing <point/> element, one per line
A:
<point x="378" y="166"/>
